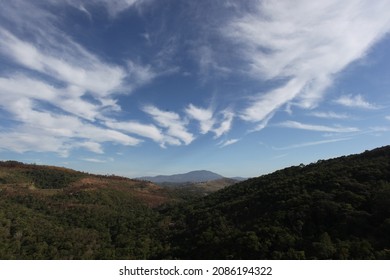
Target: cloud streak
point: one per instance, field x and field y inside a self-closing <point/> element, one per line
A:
<point x="229" y="142"/>
<point x="321" y="128"/>
<point x="355" y="101"/>
<point x="329" y="115"/>
<point x="144" y="130"/>
<point x="308" y="144"/>
<point x="113" y="7"/>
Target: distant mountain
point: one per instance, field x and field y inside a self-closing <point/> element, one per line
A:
<point x="193" y="177"/>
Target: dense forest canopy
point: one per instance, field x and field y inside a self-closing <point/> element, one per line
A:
<point x="331" y="209"/>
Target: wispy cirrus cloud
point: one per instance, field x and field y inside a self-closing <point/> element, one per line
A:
<point x="225" y="124"/>
<point x="380" y="129"/>
<point x="330" y="115"/>
<point x="94" y="160"/>
<point x="304" y="43"/>
<point x="174" y="125"/>
<point x="144" y="130"/>
<point x="229" y="142"/>
<point x="91" y="146"/>
<point x="114" y="7"/>
<point x="117" y="6"/>
<point x="321" y="128"/>
<point x="71" y="126"/>
<point x="204" y="116"/>
<point x="68" y="99"/>
<point x="80" y="68"/>
<point x="60" y="134"/>
<point x="30" y="137"/>
<point x="313" y="143"/>
<point x="219" y="123"/>
<point x="264" y="105"/>
<point x="355" y="101"/>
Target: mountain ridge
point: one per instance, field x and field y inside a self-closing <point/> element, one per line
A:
<point x="195" y="176"/>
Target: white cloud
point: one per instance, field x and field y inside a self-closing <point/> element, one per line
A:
<point x="208" y="64"/>
<point x="228" y="142"/>
<point x="323" y="128"/>
<point x="280" y="156"/>
<point x="50" y="136"/>
<point x="105" y="135"/>
<point x="20" y="87"/>
<point x="117" y="6"/>
<point x="114" y="7"/>
<point x="94" y="77"/>
<point x="25" y="140"/>
<point x="219" y="123"/>
<point x="144" y="130"/>
<point x="387" y="118"/>
<point x="91" y="146"/>
<point x="263" y="123"/>
<point x="174" y="125"/>
<point x="380" y="129"/>
<point x="140" y="74"/>
<point x="264" y="105"/>
<point x="84" y="10"/>
<point x="204" y="116"/>
<point x="79" y="68"/>
<point x="94" y="160"/>
<point x="329" y="115"/>
<point x="205" y="59"/>
<point x="356" y="101"/>
<point x="305" y="42"/>
<point x="314" y="143"/>
<point x="225" y="125"/>
<point x="59" y="132"/>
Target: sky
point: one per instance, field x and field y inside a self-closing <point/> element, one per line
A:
<point x="146" y="87"/>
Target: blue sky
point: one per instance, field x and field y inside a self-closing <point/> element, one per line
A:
<point x="147" y="87"/>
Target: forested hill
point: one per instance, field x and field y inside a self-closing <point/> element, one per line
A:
<point x="331" y="209"/>
<point x="32" y="179"/>
<point x="50" y="212"/>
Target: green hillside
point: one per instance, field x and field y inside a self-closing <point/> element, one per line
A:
<point x="331" y="209"/>
<point x="56" y="213"/>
